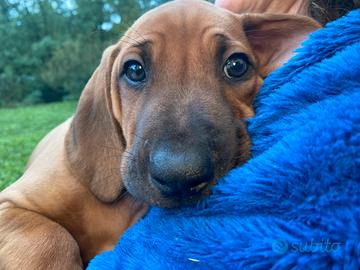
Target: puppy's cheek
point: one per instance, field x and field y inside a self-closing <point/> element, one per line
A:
<point x="130" y="177"/>
<point x="135" y="181"/>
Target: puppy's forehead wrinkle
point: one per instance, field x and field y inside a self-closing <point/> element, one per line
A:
<point x="182" y="21"/>
<point x="141" y="38"/>
<point x="145" y="44"/>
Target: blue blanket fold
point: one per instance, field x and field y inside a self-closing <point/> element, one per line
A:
<point x="296" y="203"/>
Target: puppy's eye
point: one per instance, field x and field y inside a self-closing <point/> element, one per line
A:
<point x="134" y="71"/>
<point x="236" y="66"/>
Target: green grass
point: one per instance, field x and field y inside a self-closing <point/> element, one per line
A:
<point x="20" y="131"/>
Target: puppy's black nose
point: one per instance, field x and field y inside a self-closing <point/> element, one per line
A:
<point x="179" y="168"/>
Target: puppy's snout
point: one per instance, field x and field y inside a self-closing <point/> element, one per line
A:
<point x="180" y="169"/>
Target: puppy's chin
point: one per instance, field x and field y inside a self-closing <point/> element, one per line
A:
<point x="146" y="191"/>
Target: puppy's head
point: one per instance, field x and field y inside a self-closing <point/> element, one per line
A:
<point x="163" y="115"/>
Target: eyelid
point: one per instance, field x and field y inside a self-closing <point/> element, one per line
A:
<point x="131" y="57"/>
<point x="234" y="47"/>
<point x="129" y="62"/>
<point x="243" y="56"/>
<point x="249" y="59"/>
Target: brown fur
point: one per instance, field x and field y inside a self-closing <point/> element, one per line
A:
<point x="87" y="182"/>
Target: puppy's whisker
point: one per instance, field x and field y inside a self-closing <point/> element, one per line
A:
<point x="131" y="38"/>
<point x="137" y="32"/>
<point x="129" y="42"/>
<point x="138" y="136"/>
<point x="130" y="158"/>
<point x="129" y="155"/>
<point x="122" y="196"/>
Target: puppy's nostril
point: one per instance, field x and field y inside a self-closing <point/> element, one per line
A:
<point x="183" y="170"/>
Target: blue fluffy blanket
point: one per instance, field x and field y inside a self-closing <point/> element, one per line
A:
<point x="296" y="203"/>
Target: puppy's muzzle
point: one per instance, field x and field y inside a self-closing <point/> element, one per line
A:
<point x="180" y="169"/>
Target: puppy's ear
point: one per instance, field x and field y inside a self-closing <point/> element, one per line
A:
<point x="95" y="143"/>
<point x="300" y="7"/>
<point x="273" y="37"/>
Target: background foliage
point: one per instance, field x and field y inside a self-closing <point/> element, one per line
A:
<point x="49" y="48"/>
<point x="48" y="51"/>
<point x="21" y="129"/>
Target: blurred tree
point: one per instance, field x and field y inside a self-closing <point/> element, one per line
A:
<point x="49" y="48"/>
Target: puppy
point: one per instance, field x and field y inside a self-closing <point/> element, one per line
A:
<point x="161" y="118"/>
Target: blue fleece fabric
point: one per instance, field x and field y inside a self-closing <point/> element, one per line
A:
<point x="296" y="203"/>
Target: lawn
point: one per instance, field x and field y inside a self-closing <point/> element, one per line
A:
<point x="20" y="131"/>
